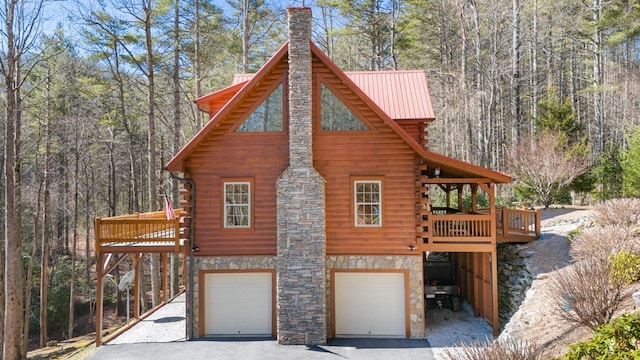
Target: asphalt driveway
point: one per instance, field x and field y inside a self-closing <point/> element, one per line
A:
<point x="162" y="336"/>
<point x="268" y="349"/>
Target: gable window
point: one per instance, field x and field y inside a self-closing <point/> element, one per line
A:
<point x="367" y="203"/>
<point x="267" y="117"/>
<point x="336" y="116"/>
<point x="237" y="204"/>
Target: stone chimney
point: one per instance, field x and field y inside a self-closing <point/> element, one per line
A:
<point x="301" y="269"/>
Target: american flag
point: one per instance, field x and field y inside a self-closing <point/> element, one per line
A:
<point x="168" y="209"/>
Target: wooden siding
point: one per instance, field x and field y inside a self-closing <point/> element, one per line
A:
<point x="228" y="154"/>
<point x="379" y="153"/>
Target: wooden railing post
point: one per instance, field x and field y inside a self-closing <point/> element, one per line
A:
<point x="98" y="235"/>
<point x="99" y="290"/>
<point x="538" y="229"/>
<point x="505" y="222"/>
<point x="176" y="232"/>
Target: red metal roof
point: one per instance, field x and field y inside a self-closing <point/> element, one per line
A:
<point x="402" y="94"/>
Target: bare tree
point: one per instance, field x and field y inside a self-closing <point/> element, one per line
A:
<point x="548" y="166"/>
<point x="21" y="22"/>
<point x="174" y="263"/>
<point x="46" y="231"/>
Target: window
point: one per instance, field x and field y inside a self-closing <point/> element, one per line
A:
<point x="267" y="117"/>
<point x="368" y="203"/>
<point x="336" y="116"/>
<point x="237" y="204"/>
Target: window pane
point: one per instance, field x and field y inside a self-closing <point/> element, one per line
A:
<point x="267" y="117"/>
<point x="367" y="203"/>
<point x="237" y="204"/>
<point x="335" y="115"/>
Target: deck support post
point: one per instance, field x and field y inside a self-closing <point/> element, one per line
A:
<point x="494" y="289"/>
<point x="136" y="286"/>
<point x="99" y="295"/>
<point x="165" y="277"/>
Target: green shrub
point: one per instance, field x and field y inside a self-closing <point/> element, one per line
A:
<point x="573" y="234"/>
<point x="618" y="340"/>
<point x="625" y="267"/>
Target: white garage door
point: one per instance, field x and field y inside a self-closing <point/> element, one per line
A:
<point x="238" y="304"/>
<point x="370" y="304"/>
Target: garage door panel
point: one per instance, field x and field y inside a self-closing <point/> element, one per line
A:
<point x="370" y="304"/>
<point x="238" y="304"/>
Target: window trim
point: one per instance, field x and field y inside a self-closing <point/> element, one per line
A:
<point x="223" y="212"/>
<point x="354" y="212"/>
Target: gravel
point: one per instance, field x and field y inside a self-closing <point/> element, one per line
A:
<point x="167" y="324"/>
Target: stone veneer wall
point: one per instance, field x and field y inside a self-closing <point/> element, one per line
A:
<point x="301" y="284"/>
<point x="224" y="263"/>
<point x="416" y="290"/>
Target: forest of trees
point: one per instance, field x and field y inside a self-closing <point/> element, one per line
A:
<point x="96" y="101"/>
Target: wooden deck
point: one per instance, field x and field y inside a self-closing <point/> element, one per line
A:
<point x="142" y="232"/>
<point x="449" y="230"/>
<point x="134" y="236"/>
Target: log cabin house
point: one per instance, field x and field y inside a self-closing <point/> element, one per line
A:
<point x="308" y="196"/>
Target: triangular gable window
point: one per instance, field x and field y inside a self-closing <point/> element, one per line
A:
<point x="267" y="117"/>
<point x="336" y="116"/>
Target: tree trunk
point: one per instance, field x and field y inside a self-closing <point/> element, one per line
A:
<point x="74" y="246"/>
<point x="515" y="74"/>
<point x="480" y="91"/>
<point x="534" y="70"/>
<point x="245" y="36"/>
<point x="196" y="61"/>
<point x="151" y="147"/>
<point x="174" y="263"/>
<point x="463" y="82"/>
<point x="13" y="281"/>
<point x="46" y="231"/>
<point x="598" y="79"/>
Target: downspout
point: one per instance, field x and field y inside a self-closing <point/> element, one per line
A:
<point x="192" y="213"/>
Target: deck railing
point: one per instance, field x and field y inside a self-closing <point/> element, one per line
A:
<point x="481" y="227"/>
<point x="144" y="228"/>
<point x="461" y="228"/>
<point x="518" y="223"/>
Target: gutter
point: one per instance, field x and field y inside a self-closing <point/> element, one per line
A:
<point x="192" y="212"/>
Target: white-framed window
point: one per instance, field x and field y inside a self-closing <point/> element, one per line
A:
<point x="237" y="204"/>
<point x="367" y="203"/>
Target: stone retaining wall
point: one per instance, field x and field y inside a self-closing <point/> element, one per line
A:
<point x="514" y="279"/>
